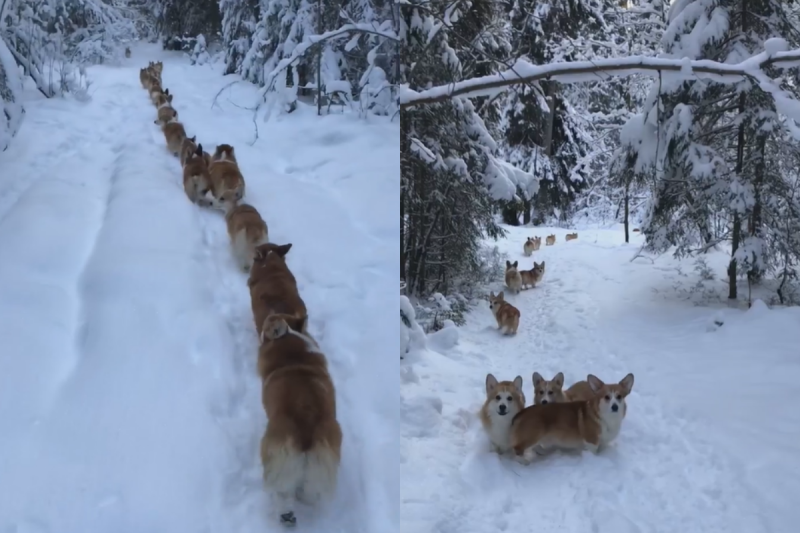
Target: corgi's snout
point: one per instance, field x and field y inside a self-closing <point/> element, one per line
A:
<point x="501" y="408"/>
<point x="614" y="407"/>
<point x="544" y="402"/>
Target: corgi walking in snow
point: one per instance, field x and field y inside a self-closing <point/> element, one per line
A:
<point x="174" y="134"/>
<point x="571" y="236"/>
<point x="529" y="278"/>
<point x="529" y="247"/>
<point x="247" y="231"/>
<point x="227" y="182"/>
<point x="301" y="447"/>
<point x="273" y="287"/>
<point x="507" y="315"/>
<point x="550" y="240"/>
<point x="513" y="279"/>
<point x="195" y="177"/>
<point x="504" y="400"/>
<point x="575" y="425"/>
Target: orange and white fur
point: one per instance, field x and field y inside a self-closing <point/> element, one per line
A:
<point x="227" y="182"/>
<point x="545" y="391"/>
<point x="301" y="447"/>
<point x="507" y="315"/>
<point x="247" y="231"/>
<point x="504" y="400"/>
<point x="529" y="247"/>
<point x="513" y="279"/>
<point x="580" y="425"/>
<point x="550" y="240"/>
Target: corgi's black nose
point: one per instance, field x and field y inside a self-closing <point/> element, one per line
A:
<point x="544" y="402"/>
<point x="614" y="407"/>
<point x="502" y="408"/>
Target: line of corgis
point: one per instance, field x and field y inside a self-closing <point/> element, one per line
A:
<point x="506" y="315"/>
<point x="586" y="416"/>
<point x="532" y="244"/>
<point x="301" y="447"/>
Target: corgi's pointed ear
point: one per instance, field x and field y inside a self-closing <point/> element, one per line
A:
<point x="537" y="378"/>
<point x="199" y="151"/>
<point x="535" y="264"/>
<point x="559" y="379"/>
<point x="491" y="295"/>
<point x="518" y="383"/>
<point x="595" y="383"/>
<point x="516" y="263"/>
<point x="508" y="264"/>
<point x="626" y="384"/>
<point x="501" y="295"/>
<point x="491" y="383"/>
<point x="542" y="264"/>
<point x="194" y="138"/>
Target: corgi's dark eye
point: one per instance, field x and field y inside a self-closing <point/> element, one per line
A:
<point x="549" y="392"/>
<point x="608" y="397"/>
<point x="508" y="398"/>
<point x="619" y="396"/>
<point x="497" y="397"/>
<point x="541" y="392"/>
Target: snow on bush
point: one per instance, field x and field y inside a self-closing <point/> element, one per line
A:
<point x="199" y="54"/>
<point x="412" y="336"/>
<point x="10" y="93"/>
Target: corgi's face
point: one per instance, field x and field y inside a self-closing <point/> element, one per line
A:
<point x="511" y="266"/>
<point x="611" y="396"/>
<point x="545" y="391"/>
<point x="495" y="301"/>
<point x="504" y="398"/>
<point x="538" y="268"/>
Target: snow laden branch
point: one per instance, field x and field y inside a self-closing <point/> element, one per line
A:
<point x="384" y="30"/>
<point x="597" y="70"/>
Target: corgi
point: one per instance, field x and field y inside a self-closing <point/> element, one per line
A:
<point x="174" y="133"/>
<point x="513" y="279"/>
<point x="157" y="91"/>
<point x="550" y="240"/>
<point x="164" y="99"/>
<point x="590" y="424"/>
<point x="545" y="392"/>
<point x="273" y="287"/>
<point x="127" y="52"/>
<point x="195" y="178"/>
<point x="247" y="230"/>
<point x="301" y="447"/>
<point x="507" y="315"/>
<point x="188" y="147"/>
<point x="571" y="236"/>
<point x="529" y="247"/>
<point x="636" y="230"/>
<point x="144" y="78"/>
<point x="227" y="182"/>
<point x="166" y="114"/>
<point x="533" y="276"/>
<point x="581" y="391"/>
<point x="504" y="400"/>
<point x="537" y="243"/>
<point x="157" y="67"/>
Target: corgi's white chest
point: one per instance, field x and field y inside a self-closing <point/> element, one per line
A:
<point x="500" y="431"/>
<point x="609" y="428"/>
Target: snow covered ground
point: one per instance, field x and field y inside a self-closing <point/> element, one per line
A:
<point x="129" y="401"/>
<point x="710" y="440"/>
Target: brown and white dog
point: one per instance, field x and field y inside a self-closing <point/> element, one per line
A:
<point x="513" y="279"/>
<point x="572" y="236"/>
<point x="156" y="91"/>
<point x="507" y="315"/>
<point x="529" y="247"/>
<point x="301" y="447"/>
<point x="545" y="391"/>
<point x="533" y="276"/>
<point x="174" y="134"/>
<point x="579" y="425"/>
<point x="550" y="240"/>
<point x="195" y="177"/>
<point x="166" y="114"/>
<point x="227" y="182"/>
<point x="504" y="400"/>
<point x="247" y="231"/>
<point x="188" y="147"/>
<point x="273" y="287"/>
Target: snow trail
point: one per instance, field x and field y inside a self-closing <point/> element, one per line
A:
<point x="666" y="471"/>
<point x="143" y="411"/>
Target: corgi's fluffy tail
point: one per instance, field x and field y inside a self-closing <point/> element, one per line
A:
<point x="310" y="476"/>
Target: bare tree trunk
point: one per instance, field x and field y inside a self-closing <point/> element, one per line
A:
<point x="627" y="209"/>
<point x="321" y="45"/>
<point x="736" y="234"/>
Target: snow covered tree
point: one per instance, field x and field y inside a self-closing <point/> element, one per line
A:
<point x="181" y="21"/>
<point x="450" y="175"/>
<point x="239" y="20"/>
<point x="712" y="152"/>
<point x="10" y="93"/>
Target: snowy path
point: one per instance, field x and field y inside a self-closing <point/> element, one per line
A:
<point x="129" y="400"/>
<point x="686" y="458"/>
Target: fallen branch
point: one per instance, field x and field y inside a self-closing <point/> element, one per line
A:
<point x="580" y="71"/>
